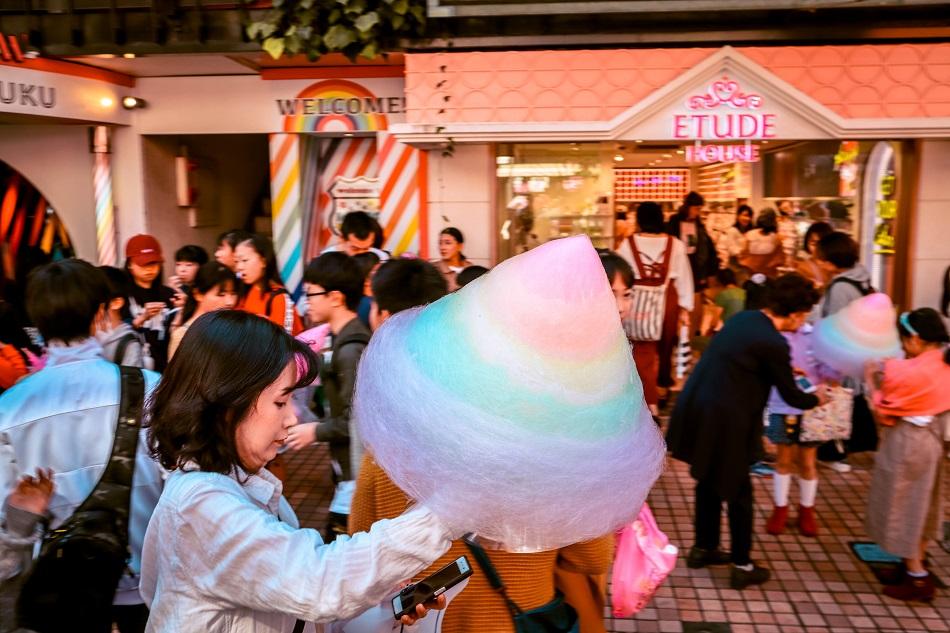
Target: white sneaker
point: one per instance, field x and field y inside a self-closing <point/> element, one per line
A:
<point x="840" y="467"/>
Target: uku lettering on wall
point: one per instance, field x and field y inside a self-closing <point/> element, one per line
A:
<point x="29" y="95"/>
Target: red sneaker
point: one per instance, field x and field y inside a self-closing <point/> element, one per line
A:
<point x="776" y="523"/>
<point x="807" y="521"/>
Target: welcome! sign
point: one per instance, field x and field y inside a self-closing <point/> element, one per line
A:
<point x="338" y="105"/>
<point x="724" y="112"/>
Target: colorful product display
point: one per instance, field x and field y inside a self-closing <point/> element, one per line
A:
<point x="512" y="407"/>
<point x="864" y="330"/>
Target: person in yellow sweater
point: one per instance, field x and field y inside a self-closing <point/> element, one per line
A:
<point x="530" y="577"/>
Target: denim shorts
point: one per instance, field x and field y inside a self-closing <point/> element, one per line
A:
<point x="784" y="429"/>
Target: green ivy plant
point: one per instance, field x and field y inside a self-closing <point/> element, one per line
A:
<point x="356" y="28"/>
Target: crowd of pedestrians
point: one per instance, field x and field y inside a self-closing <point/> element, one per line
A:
<point x="223" y="347"/>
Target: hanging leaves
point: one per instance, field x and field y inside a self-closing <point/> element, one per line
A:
<point x="365" y="28"/>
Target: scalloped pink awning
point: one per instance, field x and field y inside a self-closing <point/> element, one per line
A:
<point x="897" y="81"/>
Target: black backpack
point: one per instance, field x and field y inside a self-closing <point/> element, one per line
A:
<point x="73" y="582"/>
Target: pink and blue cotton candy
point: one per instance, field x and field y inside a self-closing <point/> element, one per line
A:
<point x="512" y="407"/>
<point x="865" y="330"/>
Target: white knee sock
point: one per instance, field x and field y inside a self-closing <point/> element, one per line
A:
<point x="808" y="490"/>
<point x="781" y="485"/>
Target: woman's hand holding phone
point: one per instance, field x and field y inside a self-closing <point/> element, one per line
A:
<point x="421" y="609"/>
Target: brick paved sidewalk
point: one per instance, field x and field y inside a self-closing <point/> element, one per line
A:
<point x="818" y="585"/>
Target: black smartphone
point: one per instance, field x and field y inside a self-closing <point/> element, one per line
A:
<point x="432" y="587"/>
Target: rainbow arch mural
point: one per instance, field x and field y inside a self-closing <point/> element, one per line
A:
<point x="335" y="105"/>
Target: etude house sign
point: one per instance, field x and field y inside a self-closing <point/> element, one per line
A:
<point x="724" y="113"/>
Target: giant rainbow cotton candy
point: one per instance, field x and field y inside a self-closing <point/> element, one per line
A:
<point x="866" y="329"/>
<point x="512" y="407"/>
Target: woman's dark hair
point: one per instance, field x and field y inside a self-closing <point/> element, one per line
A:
<point x="928" y="325"/>
<point x="821" y="229"/>
<point x="615" y="265"/>
<point x="366" y="261"/>
<point x="789" y="294"/>
<point x="767" y="222"/>
<point x="726" y="277"/>
<point x="118" y="282"/>
<point x="839" y="249"/>
<point x="337" y="271"/>
<point x="400" y="284"/>
<point x="745" y="209"/>
<point x="756" y="292"/>
<point x="192" y="253"/>
<point x="265" y="248"/>
<point x="225" y="360"/>
<point x="945" y="300"/>
<point x="470" y="274"/>
<point x="456" y="235"/>
<point x="693" y="199"/>
<point x="208" y="277"/>
<point x="63" y="298"/>
<point x="650" y="218"/>
<point x="233" y="237"/>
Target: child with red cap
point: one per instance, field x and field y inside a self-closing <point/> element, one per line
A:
<point x="150" y="300"/>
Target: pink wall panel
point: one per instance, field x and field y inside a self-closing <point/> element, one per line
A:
<point x="879" y="81"/>
<point x="537" y="85"/>
<point x="867" y="81"/>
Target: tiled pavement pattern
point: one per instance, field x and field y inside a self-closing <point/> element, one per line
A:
<point x="818" y="585"/>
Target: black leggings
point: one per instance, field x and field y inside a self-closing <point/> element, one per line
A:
<point x="130" y="618"/>
<point x="709" y="515"/>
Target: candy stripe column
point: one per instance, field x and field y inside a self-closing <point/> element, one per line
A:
<point x="105" y="212"/>
<point x="402" y="197"/>
<point x="285" y="209"/>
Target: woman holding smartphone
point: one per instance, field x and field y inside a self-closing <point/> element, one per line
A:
<point x="150" y="300"/>
<point x="224" y="550"/>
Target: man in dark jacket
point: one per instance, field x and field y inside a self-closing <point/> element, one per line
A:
<point x="334" y="286"/>
<point x="716" y="425"/>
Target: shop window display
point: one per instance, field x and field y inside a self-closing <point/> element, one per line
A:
<point x="552" y="190"/>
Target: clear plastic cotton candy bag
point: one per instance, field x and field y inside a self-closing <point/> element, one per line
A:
<point x="512" y="407"/>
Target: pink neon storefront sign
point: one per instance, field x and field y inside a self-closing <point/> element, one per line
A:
<point x="724" y="112"/>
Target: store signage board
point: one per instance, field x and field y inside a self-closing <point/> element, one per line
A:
<point x="353" y="194"/>
<point x="725" y="112"/>
<point x="726" y="102"/>
<point x="50" y="94"/>
<point x="308" y="106"/>
<point x="718" y="153"/>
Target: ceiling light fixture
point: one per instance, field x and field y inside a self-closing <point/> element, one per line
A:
<point x="618" y="157"/>
<point x="106" y="102"/>
<point x="131" y="103"/>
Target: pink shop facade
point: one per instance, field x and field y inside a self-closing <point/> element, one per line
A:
<point x="529" y="146"/>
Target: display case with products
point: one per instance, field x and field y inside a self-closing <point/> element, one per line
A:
<point x="549" y="191"/>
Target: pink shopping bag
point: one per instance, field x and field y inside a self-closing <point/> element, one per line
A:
<point x="644" y="559"/>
